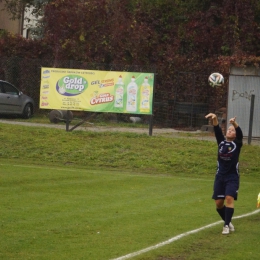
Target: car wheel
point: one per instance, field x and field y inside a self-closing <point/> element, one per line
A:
<point x="28" y="111"/>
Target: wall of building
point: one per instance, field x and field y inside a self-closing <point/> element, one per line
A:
<point x="13" y="26"/>
<point x="243" y="83"/>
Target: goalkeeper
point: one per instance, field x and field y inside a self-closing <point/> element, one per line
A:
<point x="226" y="182"/>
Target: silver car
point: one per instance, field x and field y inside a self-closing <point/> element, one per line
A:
<point x="14" y="102"/>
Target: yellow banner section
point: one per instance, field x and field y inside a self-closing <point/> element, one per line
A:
<point x="97" y="91"/>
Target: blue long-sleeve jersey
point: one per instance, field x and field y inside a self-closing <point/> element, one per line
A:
<point x="228" y="152"/>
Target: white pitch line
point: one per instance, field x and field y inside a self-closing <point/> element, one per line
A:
<point x="169" y="241"/>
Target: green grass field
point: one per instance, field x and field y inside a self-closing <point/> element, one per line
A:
<point x="98" y="196"/>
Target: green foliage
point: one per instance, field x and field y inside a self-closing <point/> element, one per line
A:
<point x="3" y="33"/>
<point x="17" y="7"/>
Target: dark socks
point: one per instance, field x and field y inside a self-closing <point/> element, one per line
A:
<point x="222" y="212"/>
<point x="228" y="215"/>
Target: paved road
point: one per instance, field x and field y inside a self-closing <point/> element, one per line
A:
<point x="167" y="132"/>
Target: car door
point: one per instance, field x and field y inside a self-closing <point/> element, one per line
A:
<point x="10" y="101"/>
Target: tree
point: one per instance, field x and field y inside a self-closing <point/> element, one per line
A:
<point x="17" y="7"/>
<point x="192" y="35"/>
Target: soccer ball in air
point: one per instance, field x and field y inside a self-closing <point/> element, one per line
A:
<point x="216" y="80"/>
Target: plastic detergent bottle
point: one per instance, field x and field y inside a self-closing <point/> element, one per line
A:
<point x="132" y="89"/>
<point x="145" y="96"/>
<point x="119" y="93"/>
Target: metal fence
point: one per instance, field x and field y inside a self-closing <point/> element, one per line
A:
<point x="180" y="103"/>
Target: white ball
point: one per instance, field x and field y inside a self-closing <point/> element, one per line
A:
<point x="216" y="80"/>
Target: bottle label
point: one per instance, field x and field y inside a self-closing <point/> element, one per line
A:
<point x="119" y="95"/>
<point x="131" y="98"/>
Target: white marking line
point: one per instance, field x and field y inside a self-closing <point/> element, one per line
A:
<point x="179" y="237"/>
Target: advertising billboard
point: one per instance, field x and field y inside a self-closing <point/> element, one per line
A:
<point x="96" y="91"/>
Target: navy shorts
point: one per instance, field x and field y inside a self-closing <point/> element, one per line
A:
<point x="225" y="186"/>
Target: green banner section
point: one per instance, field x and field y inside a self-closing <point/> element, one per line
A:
<point x="96" y="91"/>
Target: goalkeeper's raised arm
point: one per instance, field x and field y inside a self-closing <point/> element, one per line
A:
<point x="213" y="117"/>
